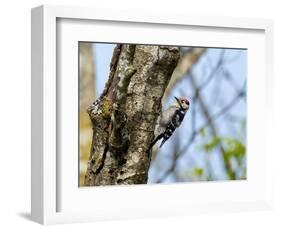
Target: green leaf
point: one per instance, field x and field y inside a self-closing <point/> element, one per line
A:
<point x="234" y="148"/>
<point x="212" y="144"/>
<point x="202" y="132"/>
<point x="198" y="171"/>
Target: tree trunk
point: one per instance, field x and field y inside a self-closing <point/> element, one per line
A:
<point x="124" y="116"/>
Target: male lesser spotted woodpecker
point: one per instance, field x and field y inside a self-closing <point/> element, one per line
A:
<point x="169" y="120"/>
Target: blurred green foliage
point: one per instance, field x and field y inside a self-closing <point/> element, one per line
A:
<point x="212" y="144"/>
<point x="198" y="171"/>
<point x="234" y="150"/>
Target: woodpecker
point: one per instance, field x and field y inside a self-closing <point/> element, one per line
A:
<point x="169" y="120"/>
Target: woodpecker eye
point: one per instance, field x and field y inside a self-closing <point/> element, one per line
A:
<point x="185" y="101"/>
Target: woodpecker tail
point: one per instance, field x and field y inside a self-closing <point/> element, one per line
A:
<point x="162" y="143"/>
<point x="154" y="142"/>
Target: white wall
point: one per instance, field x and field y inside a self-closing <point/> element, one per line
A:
<point x="15" y="113"/>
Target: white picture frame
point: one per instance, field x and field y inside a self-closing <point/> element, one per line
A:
<point x="46" y="166"/>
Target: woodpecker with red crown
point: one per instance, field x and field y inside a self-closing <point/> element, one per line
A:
<point x="169" y="120"/>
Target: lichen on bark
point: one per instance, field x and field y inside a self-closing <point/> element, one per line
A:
<point x="124" y="116"/>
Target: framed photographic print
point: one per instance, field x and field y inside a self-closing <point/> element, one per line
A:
<point x="137" y="114"/>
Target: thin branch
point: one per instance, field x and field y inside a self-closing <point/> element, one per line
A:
<point x="186" y="62"/>
<point x="213" y="72"/>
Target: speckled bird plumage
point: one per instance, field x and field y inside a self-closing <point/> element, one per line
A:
<point x="169" y="120"/>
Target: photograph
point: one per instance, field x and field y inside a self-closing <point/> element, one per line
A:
<point x="160" y="114"/>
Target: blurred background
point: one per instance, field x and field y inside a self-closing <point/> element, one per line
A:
<point x="210" y="145"/>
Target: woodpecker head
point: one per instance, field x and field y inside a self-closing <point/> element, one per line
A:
<point x="183" y="103"/>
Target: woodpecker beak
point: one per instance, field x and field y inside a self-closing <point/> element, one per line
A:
<point x="178" y="100"/>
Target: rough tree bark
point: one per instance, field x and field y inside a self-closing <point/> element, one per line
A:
<point x="124" y="116"/>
